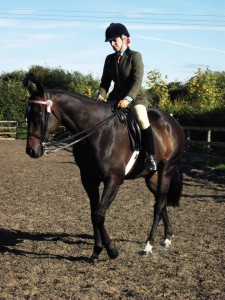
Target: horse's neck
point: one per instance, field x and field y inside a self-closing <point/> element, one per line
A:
<point x="79" y="113"/>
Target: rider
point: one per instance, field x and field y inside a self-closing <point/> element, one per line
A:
<point x="125" y="68"/>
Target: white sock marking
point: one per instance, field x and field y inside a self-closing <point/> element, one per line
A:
<point x="148" y="248"/>
<point x="167" y="243"/>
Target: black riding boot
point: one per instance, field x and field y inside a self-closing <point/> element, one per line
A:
<point x="150" y="162"/>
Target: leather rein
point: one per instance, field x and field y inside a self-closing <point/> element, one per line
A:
<point x="78" y="136"/>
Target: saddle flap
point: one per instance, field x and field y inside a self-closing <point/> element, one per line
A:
<point x="127" y="116"/>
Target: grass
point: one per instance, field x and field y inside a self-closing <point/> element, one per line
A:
<point x="220" y="167"/>
<point x="205" y="161"/>
<point x="22" y="133"/>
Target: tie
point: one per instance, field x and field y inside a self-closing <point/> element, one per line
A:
<point x="118" y="58"/>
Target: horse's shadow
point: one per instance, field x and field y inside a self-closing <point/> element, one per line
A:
<point x="9" y="239"/>
<point x="202" y="177"/>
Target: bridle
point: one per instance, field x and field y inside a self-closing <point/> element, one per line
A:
<point x="45" y="119"/>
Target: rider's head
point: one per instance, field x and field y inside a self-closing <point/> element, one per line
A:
<point x="118" y="36"/>
<point x="115" y="30"/>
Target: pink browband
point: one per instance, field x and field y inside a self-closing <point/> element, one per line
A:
<point x="48" y="103"/>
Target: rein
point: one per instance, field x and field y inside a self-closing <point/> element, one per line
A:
<point x="78" y="136"/>
<point x="84" y="134"/>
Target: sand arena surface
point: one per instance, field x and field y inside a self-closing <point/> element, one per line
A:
<point x="46" y="235"/>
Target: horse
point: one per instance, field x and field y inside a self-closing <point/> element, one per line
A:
<point x="102" y="153"/>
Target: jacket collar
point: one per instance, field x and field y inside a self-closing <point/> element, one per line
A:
<point x="125" y="52"/>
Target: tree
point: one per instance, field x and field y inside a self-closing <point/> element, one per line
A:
<point x="178" y="91"/>
<point x="220" y="83"/>
<point x="85" y="85"/>
<point x="57" y="78"/>
<point x="203" y="90"/>
<point x="158" y="88"/>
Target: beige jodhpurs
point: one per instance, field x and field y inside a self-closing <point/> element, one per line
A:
<point x="142" y="116"/>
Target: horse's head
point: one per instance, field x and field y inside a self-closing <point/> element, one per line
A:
<point x="42" y="120"/>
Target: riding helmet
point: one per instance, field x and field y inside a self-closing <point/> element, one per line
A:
<point x="115" y="30"/>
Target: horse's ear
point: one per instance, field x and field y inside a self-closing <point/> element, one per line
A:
<point x="35" y="88"/>
<point x="31" y="87"/>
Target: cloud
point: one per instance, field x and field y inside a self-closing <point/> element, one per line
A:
<point x="26" y="41"/>
<point x="180" y="44"/>
<point x="9" y="23"/>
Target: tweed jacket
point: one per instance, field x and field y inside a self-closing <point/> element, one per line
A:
<point x="127" y="77"/>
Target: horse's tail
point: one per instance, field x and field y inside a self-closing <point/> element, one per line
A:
<point x="176" y="186"/>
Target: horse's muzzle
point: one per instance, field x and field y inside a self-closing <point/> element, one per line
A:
<point x="34" y="153"/>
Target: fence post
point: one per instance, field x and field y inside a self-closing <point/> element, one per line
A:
<point x="209" y="138"/>
<point x="17" y="134"/>
<point x="188" y="135"/>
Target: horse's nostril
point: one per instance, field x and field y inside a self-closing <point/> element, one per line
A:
<point x="30" y="152"/>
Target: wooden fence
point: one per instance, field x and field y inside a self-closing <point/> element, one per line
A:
<point x="16" y="130"/>
<point x="8" y="129"/>
<point x="209" y="138"/>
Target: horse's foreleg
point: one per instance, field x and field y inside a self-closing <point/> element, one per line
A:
<point x="110" y="190"/>
<point x="98" y="246"/>
<point x="91" y="186"/>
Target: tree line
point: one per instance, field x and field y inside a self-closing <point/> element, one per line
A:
<point x="199" y="101"/>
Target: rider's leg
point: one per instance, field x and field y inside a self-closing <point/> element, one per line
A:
<point x="142" y="116"/>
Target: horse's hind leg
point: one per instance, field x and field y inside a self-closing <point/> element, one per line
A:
<point x="159" y="207"/>
<point x="159" y="186"/>
<point x="168" y="229"/>
<point x="173" y="197"/>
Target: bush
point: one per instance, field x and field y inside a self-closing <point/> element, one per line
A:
<point x="13" y="99"/>
<point x="14" y="95"/>
<point x="60" y="79"/>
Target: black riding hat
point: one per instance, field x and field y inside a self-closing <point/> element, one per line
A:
<point x="115" y="30"/>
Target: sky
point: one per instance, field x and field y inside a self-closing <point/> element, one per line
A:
<point x="175" y="37"/>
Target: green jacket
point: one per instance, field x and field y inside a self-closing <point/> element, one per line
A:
<point x="127" y="77"/>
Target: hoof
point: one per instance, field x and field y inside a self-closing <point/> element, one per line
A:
<point x="148" y="249"/>
<point x="93" y="261"/>
<point x="166" y="244"/>
<point x="145" y="253"/>
<point x="113" y="253"/>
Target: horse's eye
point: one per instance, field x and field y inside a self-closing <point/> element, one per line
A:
<point x="40" y="113"/>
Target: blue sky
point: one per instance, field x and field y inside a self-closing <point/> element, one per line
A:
<point x="176" y="37"/>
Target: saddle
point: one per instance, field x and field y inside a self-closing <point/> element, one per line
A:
<point x="128" y="117"/>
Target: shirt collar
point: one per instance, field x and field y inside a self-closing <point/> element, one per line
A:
<point x="121" y="52"/>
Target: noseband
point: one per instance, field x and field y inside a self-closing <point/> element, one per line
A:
<point x="48" y="111"/>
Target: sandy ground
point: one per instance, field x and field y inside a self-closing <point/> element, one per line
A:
<point x="46" y="235"/>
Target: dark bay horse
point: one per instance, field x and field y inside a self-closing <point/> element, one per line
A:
<point x="103" y="156"/>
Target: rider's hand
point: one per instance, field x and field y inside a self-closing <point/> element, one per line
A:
<point x="100" y="98"/>
<point x="123" y="103"/>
